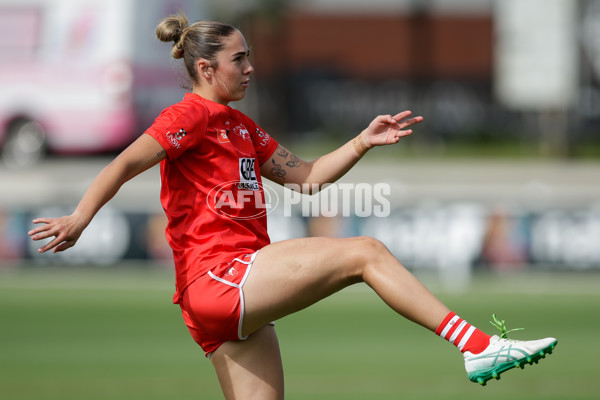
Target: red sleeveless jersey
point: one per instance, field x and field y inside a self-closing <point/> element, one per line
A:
<point x="211" y="185"/>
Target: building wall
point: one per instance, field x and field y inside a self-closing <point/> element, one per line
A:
<point x="376" y="46"/>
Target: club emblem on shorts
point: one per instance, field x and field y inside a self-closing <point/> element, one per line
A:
<point x="232" y="271"/>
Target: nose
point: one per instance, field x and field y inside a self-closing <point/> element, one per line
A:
<point x="249" y="69"/>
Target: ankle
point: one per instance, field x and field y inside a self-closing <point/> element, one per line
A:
<point x="463" y="335"/>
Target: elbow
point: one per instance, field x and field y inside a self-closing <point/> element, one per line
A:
<point x="309" y="179"/>
<point x="311" y="182"/>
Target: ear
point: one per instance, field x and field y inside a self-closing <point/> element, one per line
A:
<point x="205" y="69"/>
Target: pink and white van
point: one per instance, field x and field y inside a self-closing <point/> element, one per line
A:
<point x="81" y="77"/>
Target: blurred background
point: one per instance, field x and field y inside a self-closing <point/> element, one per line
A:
<point x="495" y="199"/>
<point x="503" y="173"/>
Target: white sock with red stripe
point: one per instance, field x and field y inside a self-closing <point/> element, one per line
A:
<point x="462" y="334"/>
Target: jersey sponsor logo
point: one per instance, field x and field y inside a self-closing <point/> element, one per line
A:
<point x="248" y="179"/>
<point x="241" y="130"/>
<point x="175" y="137"/>
<point x="263" y="137"/>
<point x="223" y="135"/>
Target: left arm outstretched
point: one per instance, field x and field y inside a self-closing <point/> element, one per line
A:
<point x="284" y="167"/>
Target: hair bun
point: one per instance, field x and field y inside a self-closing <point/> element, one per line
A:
<point x="173" y="29"/>
<point x="177" y="50"/>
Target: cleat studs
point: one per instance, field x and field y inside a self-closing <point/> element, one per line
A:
<point x="529" y="360"/>
<point x="517" y="364"/>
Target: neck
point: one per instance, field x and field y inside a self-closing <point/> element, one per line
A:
<point x="206" y="93"/>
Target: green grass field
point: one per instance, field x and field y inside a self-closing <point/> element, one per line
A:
<point x="114" y="334"/>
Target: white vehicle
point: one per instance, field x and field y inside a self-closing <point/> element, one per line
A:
<point x="85" y="76"/>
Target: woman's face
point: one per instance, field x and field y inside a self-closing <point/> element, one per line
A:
<point x="233" y="69"/>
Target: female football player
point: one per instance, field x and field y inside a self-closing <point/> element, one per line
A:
<point x="231" y="282"/>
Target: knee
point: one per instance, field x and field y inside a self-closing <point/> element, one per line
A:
<point x="361" y="256"/>
<point x="370" y="250"/>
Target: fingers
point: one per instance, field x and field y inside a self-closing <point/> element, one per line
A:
<point x="47" y="230"/>
<point x="398" y="119"/>
<point x="58" y="240"/>
<point x="407" y="122"/>
<point x="412" y="121"/>
<point x="404" y="133"/>
<point x="50" y="245"/>
<point x="39" y="229"/>
<point x="64" y="246"/>
<point x="44" y="231"/>
<point x="402" y="115"/>
<point x="403" y="125"/>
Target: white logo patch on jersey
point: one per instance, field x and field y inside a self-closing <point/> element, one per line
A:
<point x="248" y="179"/>
<point x="242" y="131"/>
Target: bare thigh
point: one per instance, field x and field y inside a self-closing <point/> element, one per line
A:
<point x="251" y="368"/>
<point x="291" y="275"/>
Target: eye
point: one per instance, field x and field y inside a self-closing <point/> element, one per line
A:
<point x="241" y="57"/>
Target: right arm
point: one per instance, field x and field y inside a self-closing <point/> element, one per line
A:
<point x="285" y="167"/>
<point x="142" y="154"/>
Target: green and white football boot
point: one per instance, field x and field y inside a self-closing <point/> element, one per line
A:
<point x="503" y="354"/>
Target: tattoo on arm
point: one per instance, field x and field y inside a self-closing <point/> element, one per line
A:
<point x="161" y="154"/>
<point x="294" y="162"/>
<point x="282" y="160"/>
<point x="277" y="170"/>
<point x="282" y="152"/>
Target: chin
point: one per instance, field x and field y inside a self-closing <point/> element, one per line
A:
<point x="238" y="97"/>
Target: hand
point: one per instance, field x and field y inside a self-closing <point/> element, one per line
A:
<point x="66" y="231"/>
<point x="387" y="129"/>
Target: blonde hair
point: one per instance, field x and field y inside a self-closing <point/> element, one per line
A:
<point x="203" y="39"/>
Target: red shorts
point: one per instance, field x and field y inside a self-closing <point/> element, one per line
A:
<point x="213" y="305"/>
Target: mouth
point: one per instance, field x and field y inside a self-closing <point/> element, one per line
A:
<point x="245" y="84"/>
